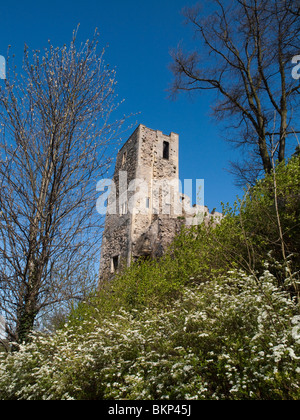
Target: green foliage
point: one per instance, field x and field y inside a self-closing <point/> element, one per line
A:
<point x="237" y="337"/>
<point x="217" y="317"/>
<point x="247" y="238"/>
<point x="260" y="217"/>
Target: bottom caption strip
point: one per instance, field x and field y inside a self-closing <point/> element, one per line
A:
<point x="140" y="410"/>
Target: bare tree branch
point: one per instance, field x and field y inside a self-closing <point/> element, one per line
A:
<point x="56" y="131"/>
<point x="244" y="54"/>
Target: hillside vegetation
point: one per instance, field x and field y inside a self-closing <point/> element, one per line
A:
<point x="216" y="318"/>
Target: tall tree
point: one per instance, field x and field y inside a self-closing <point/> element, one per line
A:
<point x="244" y="54"/>
<point x="56" y="131"/>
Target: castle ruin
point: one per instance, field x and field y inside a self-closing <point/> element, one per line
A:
<point x="146" y="208"/>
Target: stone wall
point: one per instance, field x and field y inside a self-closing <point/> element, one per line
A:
<point x="116" y="240"/>
<point x="157" y="214"/>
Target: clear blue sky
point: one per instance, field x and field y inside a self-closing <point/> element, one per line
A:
<point x="139" y="36"/>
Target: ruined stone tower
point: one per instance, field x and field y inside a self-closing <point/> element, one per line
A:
<point x="145" y="207"/>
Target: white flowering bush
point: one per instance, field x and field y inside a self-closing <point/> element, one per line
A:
<point x="232" y="338"/>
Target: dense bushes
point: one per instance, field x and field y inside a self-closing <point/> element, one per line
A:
<point x="216" y="318"/>
<point x="236" y="338"/>
<point x="247" y="238"/>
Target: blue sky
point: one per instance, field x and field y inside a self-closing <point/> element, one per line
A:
<point x="139" y="36"/>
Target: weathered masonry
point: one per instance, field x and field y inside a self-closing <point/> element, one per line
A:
<point x="149" y="209"/>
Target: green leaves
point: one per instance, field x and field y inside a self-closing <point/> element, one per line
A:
<point x="215" y="318"/>
<point x="236" y="337"/>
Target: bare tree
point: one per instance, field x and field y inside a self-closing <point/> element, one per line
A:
<point x="244" y="55"/>
<point x="56" y="131"/>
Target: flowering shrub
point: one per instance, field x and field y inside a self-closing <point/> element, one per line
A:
<point x="237" y="337"/>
